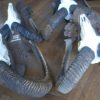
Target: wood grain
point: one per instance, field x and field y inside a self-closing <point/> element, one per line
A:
<point x="88" y="88"/>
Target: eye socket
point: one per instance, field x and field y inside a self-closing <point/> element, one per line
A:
<point x="98" y="50"/>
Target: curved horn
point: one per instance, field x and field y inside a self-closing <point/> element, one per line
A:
<point x="25" y="33"/>
<point x="19" y="84"/>
<point x="26" y="87"/>
<point x="54" y="21"/>
<point x="22" y="86"/>
<point x="74" y="73"/>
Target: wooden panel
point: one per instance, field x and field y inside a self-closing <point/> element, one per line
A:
<point x="95" y="4"/>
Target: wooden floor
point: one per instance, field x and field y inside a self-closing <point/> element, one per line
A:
<point x="89" y="86"/>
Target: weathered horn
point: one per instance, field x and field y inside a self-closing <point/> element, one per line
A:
<point x="25" y="33"/>
<point x="71" y="76"/>
<point x="21" y="85"/>
<point x="17" y="83"/>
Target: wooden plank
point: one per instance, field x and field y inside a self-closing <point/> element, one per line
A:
<point x="95" y="5"/>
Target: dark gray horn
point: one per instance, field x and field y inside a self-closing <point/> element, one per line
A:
<point x="22" y="86"/>
<point x="17" y="83"/>
<point x="71" y="76"/>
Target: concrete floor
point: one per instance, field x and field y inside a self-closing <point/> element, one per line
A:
<point x="89" y="86"/>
